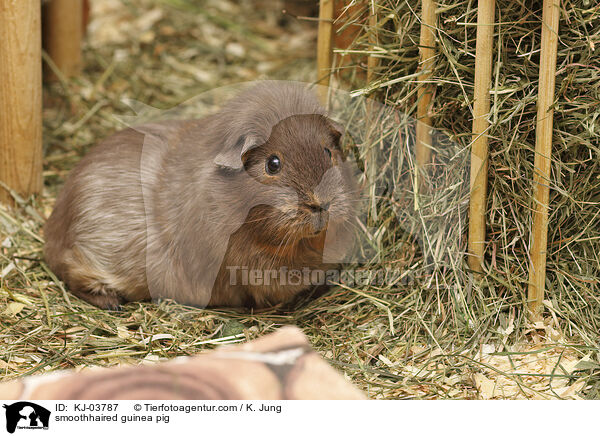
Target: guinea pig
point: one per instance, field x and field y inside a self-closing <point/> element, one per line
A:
<point x="211" y="212"/>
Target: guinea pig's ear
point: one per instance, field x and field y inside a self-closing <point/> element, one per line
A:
<point x="337" y="129"/>
<point x="231" y="158"/>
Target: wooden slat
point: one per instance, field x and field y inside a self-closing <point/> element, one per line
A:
<point x="479" y="147"/>
<point x="543" y="152"/>
<point x="372" y="61"/>
<point x="63" y="31"/>
<point x="324" y="46"/>
<point x="371" y="164"/>
<point x="20" y="97"/>
<point x="425" y="92"/>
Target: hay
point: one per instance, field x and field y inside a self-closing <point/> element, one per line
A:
<point x="448" y="339"/>
<point x="574" y="240"/>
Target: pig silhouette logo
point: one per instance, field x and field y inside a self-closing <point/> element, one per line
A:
<point x="26" y="415"/>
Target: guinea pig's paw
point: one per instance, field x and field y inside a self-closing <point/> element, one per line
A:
<point x="113" y="302"/>
<point x="108" y="299"/>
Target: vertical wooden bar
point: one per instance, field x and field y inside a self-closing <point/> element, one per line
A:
<point x="63" y="31"/>
<point x="425" y="92"/>
<point x="479" y="147"/>
<point x="371" y="113"/>
<point x="324" y="46"/>
<point x="372" y="61"/>
<point x="20" y="97"/>
<point x="543" y="153"/>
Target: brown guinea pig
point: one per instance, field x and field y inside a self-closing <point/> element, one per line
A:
<point x="227" y="210"/>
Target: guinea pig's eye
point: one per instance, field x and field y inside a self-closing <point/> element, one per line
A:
<point x="327" y="152"/>
<point x="273" y="165"/>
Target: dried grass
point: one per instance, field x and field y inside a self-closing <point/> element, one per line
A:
<point x="573" y="281"/>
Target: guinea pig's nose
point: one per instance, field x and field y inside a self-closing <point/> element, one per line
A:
<point x="319" y="207"/>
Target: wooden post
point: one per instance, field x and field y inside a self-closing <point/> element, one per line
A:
<point x="20" y="97"/>
<point x="425" y="92"/>
<point x="324" y="46"/>
<point x="479" y="147"/>
<point x="543" y="153"/>
<point x="63" y="31"/>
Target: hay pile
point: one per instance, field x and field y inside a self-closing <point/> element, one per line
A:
<point x="440" y="339"/>
<point x="573" y="280"/>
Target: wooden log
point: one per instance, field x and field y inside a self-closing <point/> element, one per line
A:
<point x="543" y="153"/>
<point x="425" y="92"/>
<point x="479" y="147"/>
<point x="63" y="32"/>
<point x="20" y="98"/>
<point x="324" y="46"/>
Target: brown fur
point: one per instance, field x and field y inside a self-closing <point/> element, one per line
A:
<point x="163" y="210"/>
